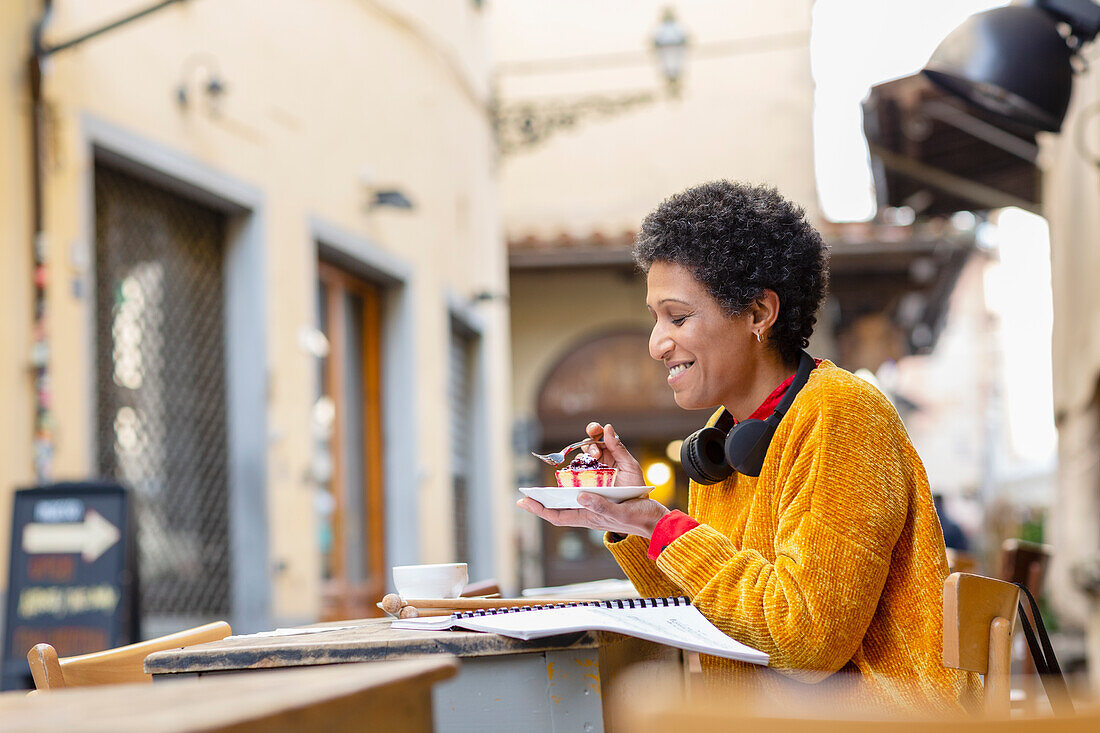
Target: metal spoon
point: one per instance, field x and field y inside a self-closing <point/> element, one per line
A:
<point x="556" y="459"/>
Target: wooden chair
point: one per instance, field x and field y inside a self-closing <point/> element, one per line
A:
<point x="112" y="666"/>
<point x="979" y="615"/>
<point x="1025" y="562"/>
<point x="960" y="562"/>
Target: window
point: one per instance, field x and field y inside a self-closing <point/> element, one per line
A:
<point x="461" y="390"/>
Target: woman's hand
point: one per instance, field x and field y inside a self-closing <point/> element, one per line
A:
<point x="614" y="454"/>
<point x="636" y="516"/>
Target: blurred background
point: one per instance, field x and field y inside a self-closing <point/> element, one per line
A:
<point x="311" y="280"/>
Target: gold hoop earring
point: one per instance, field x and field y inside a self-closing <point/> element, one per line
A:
<point x="759" y="338"/>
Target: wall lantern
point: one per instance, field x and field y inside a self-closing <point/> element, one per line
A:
<point x="522" y="124"/>
<point x="670" y="43"/>
<point x="1017" y="62"/>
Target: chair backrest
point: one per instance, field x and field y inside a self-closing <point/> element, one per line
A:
<point x="112" y="666"/>
<point x="979" y="614"/>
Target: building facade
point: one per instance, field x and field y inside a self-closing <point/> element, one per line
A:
<point x="266" y="293"/>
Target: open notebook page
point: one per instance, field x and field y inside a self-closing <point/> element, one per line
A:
<point x="681" y="626"/>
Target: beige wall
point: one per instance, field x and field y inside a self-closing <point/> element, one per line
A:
<point x="16" y="291"/>
<point x="1072" y="206"/>
<point x="746" y="116"/>
<point x="318" y="95"/>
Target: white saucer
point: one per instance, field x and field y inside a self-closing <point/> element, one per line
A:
<point x="556" y="497"/>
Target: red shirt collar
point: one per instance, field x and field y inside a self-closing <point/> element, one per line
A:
<point x="767" y="407"/>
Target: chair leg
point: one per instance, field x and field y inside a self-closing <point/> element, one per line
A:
<point x="998" y="671"/>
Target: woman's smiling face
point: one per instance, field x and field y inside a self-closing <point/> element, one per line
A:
<point x="706" y="351"/>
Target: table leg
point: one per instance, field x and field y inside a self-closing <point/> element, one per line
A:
<point x="565" y="690"/>
<point x="535" y="693"/>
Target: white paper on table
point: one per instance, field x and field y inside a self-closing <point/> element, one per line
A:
<point x="608" y="587"/>
<point x="290" y="632"/>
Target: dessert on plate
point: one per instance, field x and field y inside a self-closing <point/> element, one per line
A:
<point x="585" y="471"/>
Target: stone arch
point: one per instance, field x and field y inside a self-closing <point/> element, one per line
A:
<point x="610" y="377"/>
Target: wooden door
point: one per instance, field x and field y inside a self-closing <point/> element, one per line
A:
<point x="353" y="531"/>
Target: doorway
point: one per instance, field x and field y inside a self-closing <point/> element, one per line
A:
<point x="161" y="390"/>
<point x="349" y="408"/>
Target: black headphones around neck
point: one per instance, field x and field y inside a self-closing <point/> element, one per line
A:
<point x="713" y="453"/>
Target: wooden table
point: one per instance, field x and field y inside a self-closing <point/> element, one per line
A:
<point x="550" y="684"/>
<point x="392" y="695"/>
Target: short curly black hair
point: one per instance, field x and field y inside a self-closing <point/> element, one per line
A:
<point x="739" y="239"/>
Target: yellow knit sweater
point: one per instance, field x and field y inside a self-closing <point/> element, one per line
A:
<point x="831" y="560"/>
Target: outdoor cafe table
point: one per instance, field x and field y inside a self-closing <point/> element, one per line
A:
<point x="551" y="684"/>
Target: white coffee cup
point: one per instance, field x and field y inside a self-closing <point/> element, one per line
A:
<point x="445" y="580"/>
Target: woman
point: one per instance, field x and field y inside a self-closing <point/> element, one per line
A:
<point x="831" y="560"/>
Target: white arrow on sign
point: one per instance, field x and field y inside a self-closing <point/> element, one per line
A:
<point x="91" y="538"/>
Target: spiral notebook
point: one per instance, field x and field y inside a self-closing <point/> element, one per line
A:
<point x="671" y="621"/>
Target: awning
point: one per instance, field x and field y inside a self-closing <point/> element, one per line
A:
<point x="937" y="156"/>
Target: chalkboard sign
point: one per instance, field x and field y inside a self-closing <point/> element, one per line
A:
<point x="72" y="563"/>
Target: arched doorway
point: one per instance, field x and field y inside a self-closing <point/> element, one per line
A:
<point x="609" y="378"/>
